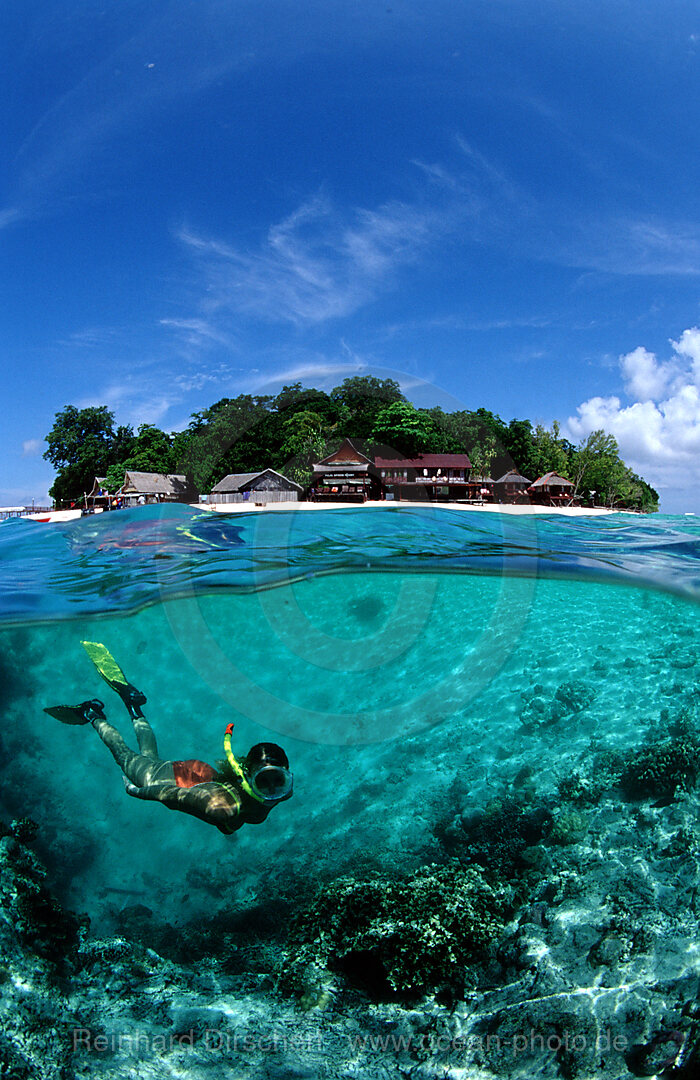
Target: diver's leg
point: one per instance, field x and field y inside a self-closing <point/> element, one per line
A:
<point x="145" y="737"/>
<point x="137" y="768"/>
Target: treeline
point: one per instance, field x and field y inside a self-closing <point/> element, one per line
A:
<point x="291" y="430"/>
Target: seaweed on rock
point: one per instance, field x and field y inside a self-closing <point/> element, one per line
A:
<point x="395" y="939"/>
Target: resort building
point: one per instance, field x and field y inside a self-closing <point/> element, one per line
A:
<point x="511" y="487"/>
<point x="480" y="489"/>
<point x="347" y="475"/>
<point x="427" y="477"/>
<point x="257" y="487"/>
<point x="552" y="489"/>
<point x="143" y="487"/>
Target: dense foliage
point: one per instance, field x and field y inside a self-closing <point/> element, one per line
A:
<point x="293" y="429"/>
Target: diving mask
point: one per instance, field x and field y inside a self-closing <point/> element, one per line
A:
<point x="272" y="782"/>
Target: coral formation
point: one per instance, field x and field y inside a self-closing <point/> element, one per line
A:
<point x="662" y="767"/>
<point x="537" y="709"/>
<point x="497" y="836"/>
<point x="668" y="762"/>
<point x="568" y="827"/>
<point x="390" y="937"/>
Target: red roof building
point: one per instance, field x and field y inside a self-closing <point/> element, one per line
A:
<point x="426" y="477"/>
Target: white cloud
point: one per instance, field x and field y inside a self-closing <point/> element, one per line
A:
<point x="314" y="265"/>
<point x="645" y="378"/>
<point x="689" y="345"/>
<point x="31" y="447"/>
<point x="658" y="431"/>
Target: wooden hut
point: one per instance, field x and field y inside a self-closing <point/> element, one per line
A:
<point x="512" y="487"/>
<point x="480" y="489"/>
<point x="347" y="475"/>
<point x="552" y="489"/>
<point x="143" y="487"/>
<point x="257" y="487"/>
<point x="425" y="478"/>
<point x="98" y="498"/>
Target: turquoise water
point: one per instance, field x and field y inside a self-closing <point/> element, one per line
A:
<point x="385" y="687"/>
<point x="420" y="689"/>
<point x="119" y="562"/>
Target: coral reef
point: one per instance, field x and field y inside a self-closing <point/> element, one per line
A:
<point x="392" y="937"/>
<point x="37" y="941"/>
<point x="659" y="768"/>
<point x="662" y="768"/>
<point x="537" y="709"/>
<point x="496" y="837"/>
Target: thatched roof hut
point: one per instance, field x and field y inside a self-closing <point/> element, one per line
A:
<point x="156" y="487"/>
<point x="513" y="479"/>
<point x="552" y="484"/>
<point x="346" y="475"/>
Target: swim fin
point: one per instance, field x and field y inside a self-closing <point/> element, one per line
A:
<point x="112" y="674"/>
<point x="78" y="714"/>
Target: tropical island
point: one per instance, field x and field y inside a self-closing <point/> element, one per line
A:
<point x="291" y="432"/>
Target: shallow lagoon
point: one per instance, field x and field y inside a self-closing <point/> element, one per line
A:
<point x="410" y="705"/>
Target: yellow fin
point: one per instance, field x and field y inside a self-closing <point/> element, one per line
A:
<point x="105" y="663"/>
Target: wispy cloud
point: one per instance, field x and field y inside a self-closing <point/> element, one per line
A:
<point x="485" y="201"/>
<point x="499" y="212"/>
<point x="176" y="53"/>
<point x="321" y="373"/>
<point x="316" y="264"/>
<point x="134" y="402"/>
<point x="92" y="337"/>
<point x="10" y="216"/>
<point x="628" y="246"/>
<point x="31" y="447"/>
<point x="196" y="332"/>
<point x="460" y="323"/>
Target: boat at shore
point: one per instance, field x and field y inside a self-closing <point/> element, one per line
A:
<point x="41" y="515"/>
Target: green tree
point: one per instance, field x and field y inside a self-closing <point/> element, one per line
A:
<point x="303" y="445"/>
<point x="548" y="453"/>
<point x="404" y="429"/>
<point x="520" y="444"/>
<point x="482" y="454"/>
<point x="230" y="436"/>
<point x="149" y="451"/>
<point x="80" y="446"/>
<point x="598" y="471"/>
<point x="360" y="399"/>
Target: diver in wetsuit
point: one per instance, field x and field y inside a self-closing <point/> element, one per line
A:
<point x="240" y="792"/>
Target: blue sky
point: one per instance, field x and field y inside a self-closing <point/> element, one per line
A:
<point x="495" y="201"/>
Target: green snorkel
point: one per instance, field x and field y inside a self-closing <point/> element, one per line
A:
<point x="266" y="776"/>
<point x="237" y="768"/>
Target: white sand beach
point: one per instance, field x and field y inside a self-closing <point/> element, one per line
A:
<point x="498" y="508"/>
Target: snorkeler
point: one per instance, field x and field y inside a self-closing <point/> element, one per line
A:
<point x="240" y="792"/>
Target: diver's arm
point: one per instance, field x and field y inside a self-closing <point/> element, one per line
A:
<point x="208" y="802"/>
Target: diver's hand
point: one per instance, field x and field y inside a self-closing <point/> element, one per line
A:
<point x="151" y="791"/>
